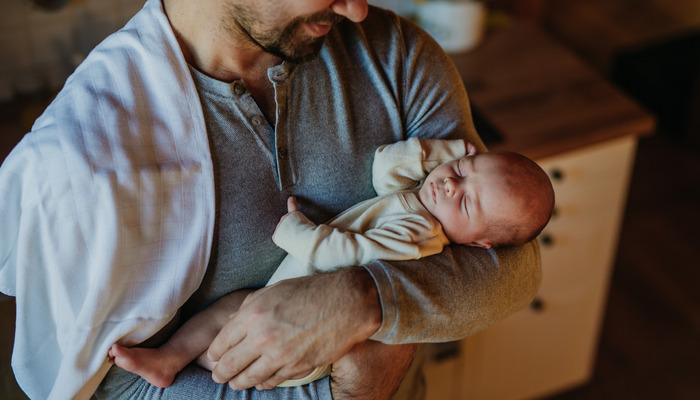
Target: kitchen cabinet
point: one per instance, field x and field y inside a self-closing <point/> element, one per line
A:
<point x="551" y="345"/>
<point x="549" y="106"/>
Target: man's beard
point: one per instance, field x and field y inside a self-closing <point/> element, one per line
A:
<point x="289" y="43"/>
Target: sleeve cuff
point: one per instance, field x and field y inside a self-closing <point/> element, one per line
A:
<point x="289" y="231"/>
<point x="442" y="150"/>
<point x="387" y="301"/>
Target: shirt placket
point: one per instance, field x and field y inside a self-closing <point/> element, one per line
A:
<point x="279" y="77"/>
<point x="254" y="119"/>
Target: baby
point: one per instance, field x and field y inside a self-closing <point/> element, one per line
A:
<point x="431" y="193"/>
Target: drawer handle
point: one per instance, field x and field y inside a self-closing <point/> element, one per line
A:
<point x="546" y="240"/>
<point x="537" y="305"/>
<point x="445" y="351"/>
<point x="555" y="212"/>
<point x="556" y="174"/>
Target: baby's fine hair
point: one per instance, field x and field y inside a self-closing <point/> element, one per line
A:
<point x="535" y="200"/>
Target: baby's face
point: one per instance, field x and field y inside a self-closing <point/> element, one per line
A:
<point x="465" y="195"/>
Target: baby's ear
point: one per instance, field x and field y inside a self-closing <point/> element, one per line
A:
<point x="471" y="149"/>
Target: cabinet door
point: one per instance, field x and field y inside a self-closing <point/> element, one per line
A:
<point x="551" y="345"/>
<point x="441" y="370"/>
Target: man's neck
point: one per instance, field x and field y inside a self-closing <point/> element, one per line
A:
<point x="213" y="46"/>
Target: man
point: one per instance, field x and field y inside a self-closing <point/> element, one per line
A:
<point x="163" y="166"/>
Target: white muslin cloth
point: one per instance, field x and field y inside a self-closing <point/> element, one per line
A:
<point x="107" y="210"/>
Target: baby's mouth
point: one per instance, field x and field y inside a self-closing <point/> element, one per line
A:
<point x="433" y="193"/>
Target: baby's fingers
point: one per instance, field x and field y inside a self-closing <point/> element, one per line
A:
<point x="292" y="204"/>
<point x="471" y="149"/>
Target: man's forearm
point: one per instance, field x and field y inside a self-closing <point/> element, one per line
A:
<point x="356" y="285"/>
<point x="453" y="294"/>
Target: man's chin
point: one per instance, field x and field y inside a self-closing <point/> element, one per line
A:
<point x="300" y="55"/>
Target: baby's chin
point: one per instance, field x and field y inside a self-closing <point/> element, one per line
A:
<point x="425" y="197"/>
<point x="456" y="238"/>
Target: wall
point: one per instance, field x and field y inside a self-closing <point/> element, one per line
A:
<point x="400" y="6"/>
<point x="39" y="49"/>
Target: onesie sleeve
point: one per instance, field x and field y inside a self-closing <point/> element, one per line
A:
<point x="327" y="247"/>
<point x="402" y="165"/>
<point x="462" y="290"/>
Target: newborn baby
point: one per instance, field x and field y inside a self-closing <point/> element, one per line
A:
<point x="483" y="200"/>
<point x="431" y="193"/>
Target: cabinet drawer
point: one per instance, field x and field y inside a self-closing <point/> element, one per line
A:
<point x="578" y="245"/>
<point x="540" y="350"/>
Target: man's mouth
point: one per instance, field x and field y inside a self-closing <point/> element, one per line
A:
<point x="316" y="29"/>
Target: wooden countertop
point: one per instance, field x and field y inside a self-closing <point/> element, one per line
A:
<point x="541" y="98"/>
<point x="614" y="26"/>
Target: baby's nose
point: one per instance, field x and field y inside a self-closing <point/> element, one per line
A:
<point x="450" y="186"/>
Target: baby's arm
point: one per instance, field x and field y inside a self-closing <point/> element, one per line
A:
<point x="326" y="247"/>
<point x="402" y="165"/>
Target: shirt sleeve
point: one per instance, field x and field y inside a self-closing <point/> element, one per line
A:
<point x="462" y="290"/>
<point x="327" y="247"/>
<point x="402" y="165"/>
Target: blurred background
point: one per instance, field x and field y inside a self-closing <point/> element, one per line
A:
<point x="604" y="94"/>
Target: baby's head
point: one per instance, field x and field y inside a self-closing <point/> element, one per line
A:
<point x="489" y="199"/>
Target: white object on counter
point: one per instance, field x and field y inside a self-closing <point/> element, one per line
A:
<point x="456" y="26"/>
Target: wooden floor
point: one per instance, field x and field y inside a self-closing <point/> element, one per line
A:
<point x="650" y="344"/>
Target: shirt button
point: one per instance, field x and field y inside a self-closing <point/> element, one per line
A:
<point x="282" y="152"/>
<point x="238" y="88"/>
<point x="257" y="120"/>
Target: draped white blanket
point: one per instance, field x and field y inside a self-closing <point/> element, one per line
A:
<point x="107" y="210"/>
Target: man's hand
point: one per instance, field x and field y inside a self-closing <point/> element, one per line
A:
<point x="371" y="371"/>
<point x="286" y="330"/>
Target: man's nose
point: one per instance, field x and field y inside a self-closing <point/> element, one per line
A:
<point x="354" y="10"/>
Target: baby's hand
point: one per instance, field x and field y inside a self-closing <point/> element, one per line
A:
<point x="292" y="204"/>
<point x="471" y="149"/>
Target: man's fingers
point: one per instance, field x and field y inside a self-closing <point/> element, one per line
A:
<point x="272" y="382"/>
<point x="257" y="372"/>
<point x="229" y="336"/>
<point x="280" y="376"/>
<point x="233" y="362"/>
<point x="292" y="204"/>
